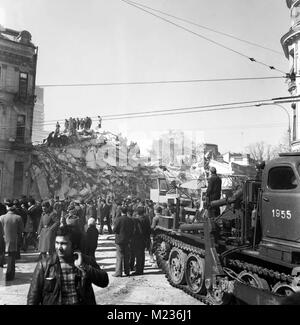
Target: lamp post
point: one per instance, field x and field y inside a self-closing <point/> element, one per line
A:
<point x="289" y="128"/>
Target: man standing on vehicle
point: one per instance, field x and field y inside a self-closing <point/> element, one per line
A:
<point x="66" y="277"/>
<point x="213" y="192"/>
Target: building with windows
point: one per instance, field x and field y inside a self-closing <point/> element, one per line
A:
<point x="290" y="42"/>
<point x="18" y="58"/>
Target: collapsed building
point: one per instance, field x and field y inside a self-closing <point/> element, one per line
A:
<point x="89" y="167"/>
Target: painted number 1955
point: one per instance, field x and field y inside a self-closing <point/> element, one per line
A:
<point x="283" y="214"/>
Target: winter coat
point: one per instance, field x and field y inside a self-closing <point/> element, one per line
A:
<point x="29" y="224"/>
<point x="105" y="212"/>
<point x="12" y="227"/>
<point x="213" y="191"/>
<point x="142" y="230"/>
<point x="91" y="238"/>
<point x="123" y="228"/>
<point x="35" y="212"/>
<point x="48" y="226"/>
<point x="46" y="284"/>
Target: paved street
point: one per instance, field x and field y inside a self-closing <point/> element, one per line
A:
<point x="151" y="288"/>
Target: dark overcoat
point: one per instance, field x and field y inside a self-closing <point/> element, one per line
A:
<point x="47" y="231"/>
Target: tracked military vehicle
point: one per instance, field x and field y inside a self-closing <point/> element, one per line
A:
<point x="250" y="253"/>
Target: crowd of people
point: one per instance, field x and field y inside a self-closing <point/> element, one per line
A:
<point x="49" y="226"/>
<point x="74" y="124"/>
<point x="38" y="222"/>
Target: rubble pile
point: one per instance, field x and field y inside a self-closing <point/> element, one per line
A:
<point x="88" y="168"/>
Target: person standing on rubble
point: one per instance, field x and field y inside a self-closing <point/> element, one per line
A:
<point x="99" y="122"/>
<point x="57" y="129"/>
<point x="66" y="126"/>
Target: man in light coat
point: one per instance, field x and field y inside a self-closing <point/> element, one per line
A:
<point x="12" y="227"/>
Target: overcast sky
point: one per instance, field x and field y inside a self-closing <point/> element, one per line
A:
<point x="110" y="41"/>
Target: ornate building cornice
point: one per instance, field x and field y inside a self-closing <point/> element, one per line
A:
<point x="289" y="38"/>
<point x="16" y="59"/>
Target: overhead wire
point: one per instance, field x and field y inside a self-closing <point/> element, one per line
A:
<point x="158" y="82"/>
<point x="252" y="59"/>
<point x="173" y="111"/>
<point x="192" y="108"/>
<point x="208" y="28"/>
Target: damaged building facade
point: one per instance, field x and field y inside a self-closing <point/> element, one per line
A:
<point x="18" y="58"/>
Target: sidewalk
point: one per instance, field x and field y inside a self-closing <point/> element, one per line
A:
<point x="150" y="288"/>
<point x="15" y="292"/>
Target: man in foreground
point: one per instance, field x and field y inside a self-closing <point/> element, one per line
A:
<point x="66" y="277"/>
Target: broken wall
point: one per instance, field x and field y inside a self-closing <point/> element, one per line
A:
<point x="89" y="168"/>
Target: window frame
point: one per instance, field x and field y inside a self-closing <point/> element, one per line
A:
<point x="20" y="128"/>
<point x="271" y="187"/>
<point x="23" y="84"/>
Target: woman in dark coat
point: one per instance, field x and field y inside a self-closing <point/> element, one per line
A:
<point x="48" y="226"/>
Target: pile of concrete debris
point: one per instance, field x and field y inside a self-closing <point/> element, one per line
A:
<point x="98" y="165"/>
